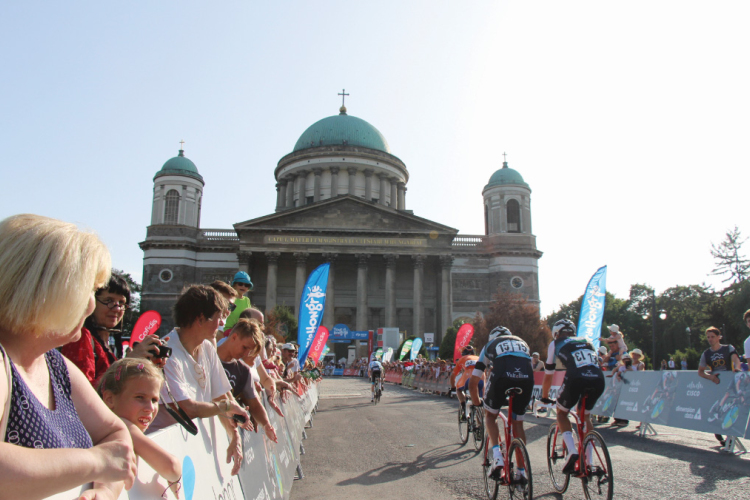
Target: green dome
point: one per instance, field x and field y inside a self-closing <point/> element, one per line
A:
<point x="179" y="165"/>
<point x="342" y="130"/>
<point x="506" y="176"/>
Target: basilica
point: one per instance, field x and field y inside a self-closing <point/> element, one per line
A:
<point x="341" y="198"/>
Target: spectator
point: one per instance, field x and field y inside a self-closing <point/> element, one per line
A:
<point x="291" y="370"/>
<point x="536" y="363"/>
<point x="683" y="364"/>
<point x="48" y="270"/>
<point x="242" y="284"/>
<point x="194" y="374"/>
<point x="663" y="364"/>
<point x="92" y="353"/>
<point x="245" y="339"/>
<point x="130" y="388"/>
<point x="746" y="320"/>
<point x="670" y="363"/>
<point x="230" y="295"/>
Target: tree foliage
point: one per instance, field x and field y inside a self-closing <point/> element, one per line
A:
<point x="729" y="258"/>
<point x="282" y="324"/>
<point x="519" y="315"/>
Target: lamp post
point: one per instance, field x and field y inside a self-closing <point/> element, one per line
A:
<point x="662" y="316"/>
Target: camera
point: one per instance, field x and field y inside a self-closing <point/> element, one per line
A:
<point x="163" y="351"/>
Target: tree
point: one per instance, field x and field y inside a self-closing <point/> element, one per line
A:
<point x="729" y="257"/>
<point x="282" y="324"/>
<point x="515" y="312"/>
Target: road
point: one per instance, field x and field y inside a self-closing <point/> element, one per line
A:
<point x="407" y="447"/>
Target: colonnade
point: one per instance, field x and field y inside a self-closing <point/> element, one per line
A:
<point x="285" y="187"/>
<point x="362" y="260"/>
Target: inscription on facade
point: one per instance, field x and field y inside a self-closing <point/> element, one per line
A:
<point x="470" y="284"/>
<point x="210" y="278"/>
<point x="345" y="240"/>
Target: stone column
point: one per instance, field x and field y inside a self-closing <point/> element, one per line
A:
<point x="362" y="290"/>
<point x="281" y="195"/>
<point x="446" y="261"/>
<point x="334" y="182"/>
<point x="243" y="258"/>
<point x="390" y="290"/>
<point x="383" y="188"/>
<point x="352" y="180"/>
<point x="273" y="267"/>
<point x="290" y="191"/>
<point x="418" y="311"/>
<point x="401" y="195"/>
<point x="316" y="190"/>
<point x="301" y="198"/>
<point x="300" y="277"/>
<point x="394" y="192"/>
<point x="368" y="184"/>
<point x="328" y="317"/>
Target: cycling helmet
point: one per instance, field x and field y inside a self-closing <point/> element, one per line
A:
<point x="498" y="331"/>
<point x="467" y="350"/>
<point x="564" y="326"/>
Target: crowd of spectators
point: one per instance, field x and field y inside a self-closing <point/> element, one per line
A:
<point x="73" y="413"/>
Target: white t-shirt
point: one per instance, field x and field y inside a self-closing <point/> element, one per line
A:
<point x="201" y="379"/>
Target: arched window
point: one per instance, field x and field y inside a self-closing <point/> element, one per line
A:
<point x="171" y="207"/>
<point x="514" y="216"/>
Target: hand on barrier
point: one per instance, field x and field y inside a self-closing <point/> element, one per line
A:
<point x="234" y="452"/>
<point x="271" y="433"/>
<point x="272" y="404"/>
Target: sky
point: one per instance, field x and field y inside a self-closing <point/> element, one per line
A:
<point x="628" y="120"/>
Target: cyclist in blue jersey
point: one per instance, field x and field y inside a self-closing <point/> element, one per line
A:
<point x="511" y="367"/>
<point x="374" y="372"/>
<point x="583" y="375"/>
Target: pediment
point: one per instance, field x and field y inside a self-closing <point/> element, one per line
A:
<point x="347" y="214"/>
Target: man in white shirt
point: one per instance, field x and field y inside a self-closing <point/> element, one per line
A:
<point x="194" y="376"/>
<point x="288" y="356"/>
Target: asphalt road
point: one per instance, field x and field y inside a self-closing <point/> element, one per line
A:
<point x="407" y="447"/>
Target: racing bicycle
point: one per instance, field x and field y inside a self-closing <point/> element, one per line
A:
<point x="473" y="425"/>
<point x="593" y="467"/>
<point x="515" y="456"/>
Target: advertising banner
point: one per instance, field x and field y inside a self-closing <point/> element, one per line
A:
<point x="388" y="355"/>
<point x="405" y="349"/>
<point x="379" y="353"/>
<point x="342" y="332"/>
<point x="679" y="399"/>
<point x="592" y="307"/>
<point x="311" y="307"/>
<point x="463" y="337"/>
<point x="370" y="344"/>
<point x="415" y="347"/>
<point x="147" y="324"/>
<point x="316" y="350"/>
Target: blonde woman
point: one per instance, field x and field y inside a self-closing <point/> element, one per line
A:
<point x="60" y="435"/>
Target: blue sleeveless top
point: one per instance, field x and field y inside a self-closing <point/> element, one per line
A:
<point x="32" y="425"/>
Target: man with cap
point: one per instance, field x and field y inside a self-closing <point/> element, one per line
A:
<point x="289" y="357"/>
<point x="536" y="363"/>
<point x="242" y="285"/>
<point x="628" y="364"/>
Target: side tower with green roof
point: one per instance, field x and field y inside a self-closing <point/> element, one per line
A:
<point x="178" y="193"/>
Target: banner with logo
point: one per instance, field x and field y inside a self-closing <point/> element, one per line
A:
<point x="379" y="354"/>
<point x="415" y="347"/>
<point x="405" y="349"/>
<point x="463" y="337"/>
<point x="592" y="307"/>
<point x="319" y="343"/>
<point x="311" y="308"/>
<point x="388" y="355"/>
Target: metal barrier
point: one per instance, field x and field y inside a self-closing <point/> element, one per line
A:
<point x="268" y="469"/>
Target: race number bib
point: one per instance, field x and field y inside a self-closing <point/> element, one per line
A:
<point x="510" y="345"/>
<point x="584" y="357"/>
<point x="470" y="363"/>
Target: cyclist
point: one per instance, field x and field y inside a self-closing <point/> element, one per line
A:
<point x="582" y="375"/>
<point x="717" y="358"/>
<point x="462" y="371"/>
<point x="374" y="372"/>
<point x="511" y="367"/>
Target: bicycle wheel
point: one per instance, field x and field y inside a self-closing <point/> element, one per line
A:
<point x="377" y="396"/>
<point x="463" y="426"/>
<point x="491" y="486"/>
<point x="520" y="487"/>
<point x="598" y="482"/>
<point x="477" y="424"/>
<point x="556" y="460"/>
